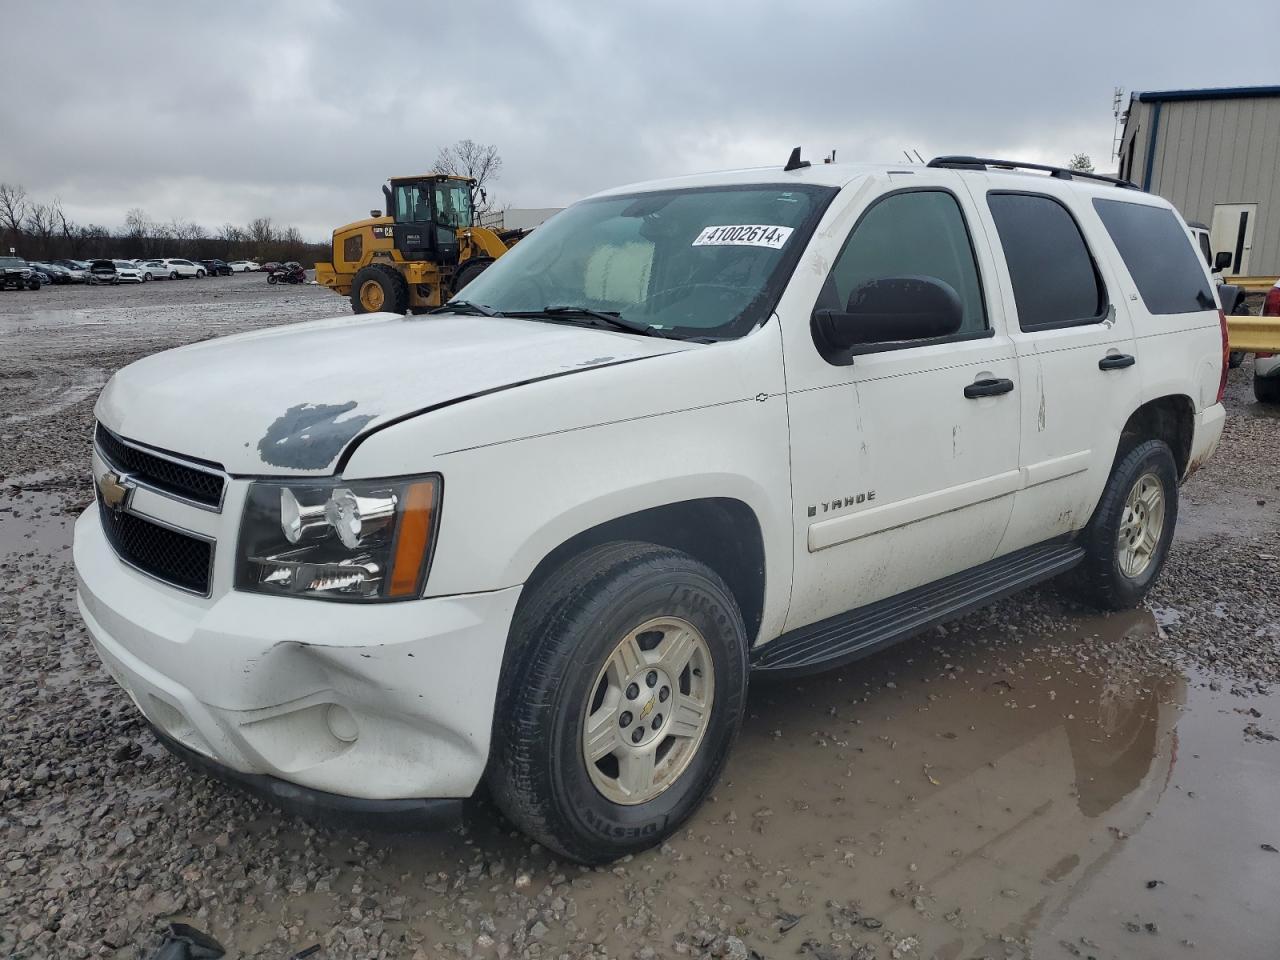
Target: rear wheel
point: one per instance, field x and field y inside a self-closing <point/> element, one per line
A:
<point x="378" y="288"/>
<point x="1127" y="540"/>
<point x="1266" y="389"/>
<point x="173" y="275"/>
<point x="271" y="278"/>
<point x="199" y="274"/>
<point x="621" y="696"/>
<point x="146" y="277"/>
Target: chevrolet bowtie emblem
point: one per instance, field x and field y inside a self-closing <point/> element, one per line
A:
<point x="114" y="490"/>
<point x="648" y="708"/>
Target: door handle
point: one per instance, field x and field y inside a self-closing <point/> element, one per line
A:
<point x="1116" y="361"/>
<point x="990" y="387"/>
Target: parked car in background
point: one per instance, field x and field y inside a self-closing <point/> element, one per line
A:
<point x="217" y="268"/>
<point x="173" y="269"/>
<point x="1266" y="366"/>
<point x="271" y="265"/>
<point x="242" y="266"/>
<point x="56" y="274"/>
<point x="116" y="271"/>
<point x="38" y="271"/>
<point x="78" y="270"/>
<point x="14" y="272"/>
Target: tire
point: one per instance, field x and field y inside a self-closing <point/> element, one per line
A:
<point x="1235" y="358"/>
<point x="271" y="278"/>
<point x="560" y="649"/>
<point x="173" y="275"/>
<point x="391" y="294"/>
<point x="146" y="277"/>
<point x="33" y="285"/>
<point x="1266" y="389"/>
<point x="469" y="271"/>
<point x="1101" y="580"/>
<point x="199" y="274"/>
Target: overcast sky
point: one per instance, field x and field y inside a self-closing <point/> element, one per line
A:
<point x="222" y="112"/>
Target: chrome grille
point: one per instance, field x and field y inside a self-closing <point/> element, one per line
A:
<point x="179" y="479"/>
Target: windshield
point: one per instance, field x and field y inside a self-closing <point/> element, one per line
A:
<point x="707" y="262"/>
<point x="11" y="263"/>
<point x="453" y="203"/>
<point x="413" y="203"/>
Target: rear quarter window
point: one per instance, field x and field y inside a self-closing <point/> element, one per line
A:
<point x="1159" y="256"/>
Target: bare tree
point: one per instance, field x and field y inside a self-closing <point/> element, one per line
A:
<point x="13" y="209"/>
<point x="466" y="158"/>
<point x="1081" y="162"/>
<point x="261" y="230"/>
<point x="136" y="224"/>
<point x="65" y="226"/>
<point x="40" y="224"/>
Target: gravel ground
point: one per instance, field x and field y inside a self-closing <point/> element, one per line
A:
<point x="1030" y="781"/>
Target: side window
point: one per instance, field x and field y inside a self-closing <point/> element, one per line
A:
<point x="1204" y="248"/>
<point x="1055" y="281"/>
<point x="918" y="233"/>
<point x="1156" y="251"/>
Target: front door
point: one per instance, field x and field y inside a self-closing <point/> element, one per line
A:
<point x="905" y="454"/>
<point x="1232" y="230"/>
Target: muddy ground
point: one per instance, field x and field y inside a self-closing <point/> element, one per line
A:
<point x="1030" y="781"/>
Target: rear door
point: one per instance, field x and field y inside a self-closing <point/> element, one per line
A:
<point x="1075" y="349"/>
<point x="902" y="471"/>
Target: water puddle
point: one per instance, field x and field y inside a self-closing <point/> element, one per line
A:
<point x="954" y="797"/>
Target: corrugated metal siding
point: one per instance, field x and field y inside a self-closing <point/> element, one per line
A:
<point x="1215" y="151"/>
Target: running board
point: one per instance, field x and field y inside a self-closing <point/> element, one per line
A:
<point x="848" y="636"/>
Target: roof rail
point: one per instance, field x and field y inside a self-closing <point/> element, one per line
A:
<point x="1060" y="173"/>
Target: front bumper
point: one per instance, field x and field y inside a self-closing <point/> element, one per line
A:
<point x="376" y="702"/>
<point x="414" y="814"/>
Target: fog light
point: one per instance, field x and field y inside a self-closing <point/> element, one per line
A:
<point x="341" y="723"/>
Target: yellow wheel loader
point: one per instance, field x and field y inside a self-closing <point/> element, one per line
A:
<point x="423" y="250"/>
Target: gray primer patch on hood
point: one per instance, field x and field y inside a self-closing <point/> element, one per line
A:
<point x="310" y="436"/>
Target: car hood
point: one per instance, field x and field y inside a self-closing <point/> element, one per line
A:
<point x="289" y="400"/>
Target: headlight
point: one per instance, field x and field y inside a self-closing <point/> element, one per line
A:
<point x="339" y="539"/>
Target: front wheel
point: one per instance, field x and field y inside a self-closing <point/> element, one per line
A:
<point x="1128" y="538"/>
<point x="199" y="274"/>
<point x="620" y="699"/>
<point x="173" y="275"/>
<point x="146" y="277"/>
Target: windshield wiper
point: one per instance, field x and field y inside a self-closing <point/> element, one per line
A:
<point x="467" y="307"/>
<point x="603" y="318"/>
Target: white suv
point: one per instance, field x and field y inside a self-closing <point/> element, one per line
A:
<point x="174" y="269"/>
<point x="764" y="421"/>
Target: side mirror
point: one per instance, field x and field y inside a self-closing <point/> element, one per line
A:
<point x="484" y="197"/>
<point x="891" y="310"/>
<point x="1222" y="260"/>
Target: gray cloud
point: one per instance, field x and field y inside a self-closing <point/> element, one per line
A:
<point x="300" y="111"/>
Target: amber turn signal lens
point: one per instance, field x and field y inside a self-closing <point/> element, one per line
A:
<point x="414" y="540"/>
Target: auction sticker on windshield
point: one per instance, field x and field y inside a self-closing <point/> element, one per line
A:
<point x="744" y="235"/>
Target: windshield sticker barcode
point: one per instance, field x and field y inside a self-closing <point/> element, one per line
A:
<point x="744" y="235"/>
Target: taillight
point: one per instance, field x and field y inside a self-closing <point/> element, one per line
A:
<point x="1271" y="305"/>
<point x="1226" y="355"/>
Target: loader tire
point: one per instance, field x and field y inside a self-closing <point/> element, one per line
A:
<point x="378" y="288"/>
<point x="469" y="271"/>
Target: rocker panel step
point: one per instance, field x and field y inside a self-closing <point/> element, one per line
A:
<point x="848" y="636"/>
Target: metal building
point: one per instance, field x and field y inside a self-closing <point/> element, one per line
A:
<point x="1214" y="154"/>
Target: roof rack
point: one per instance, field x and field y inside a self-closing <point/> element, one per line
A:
<point x="1060" y="173"/>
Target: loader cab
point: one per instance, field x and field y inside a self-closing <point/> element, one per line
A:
<point x="428" y="212"/>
